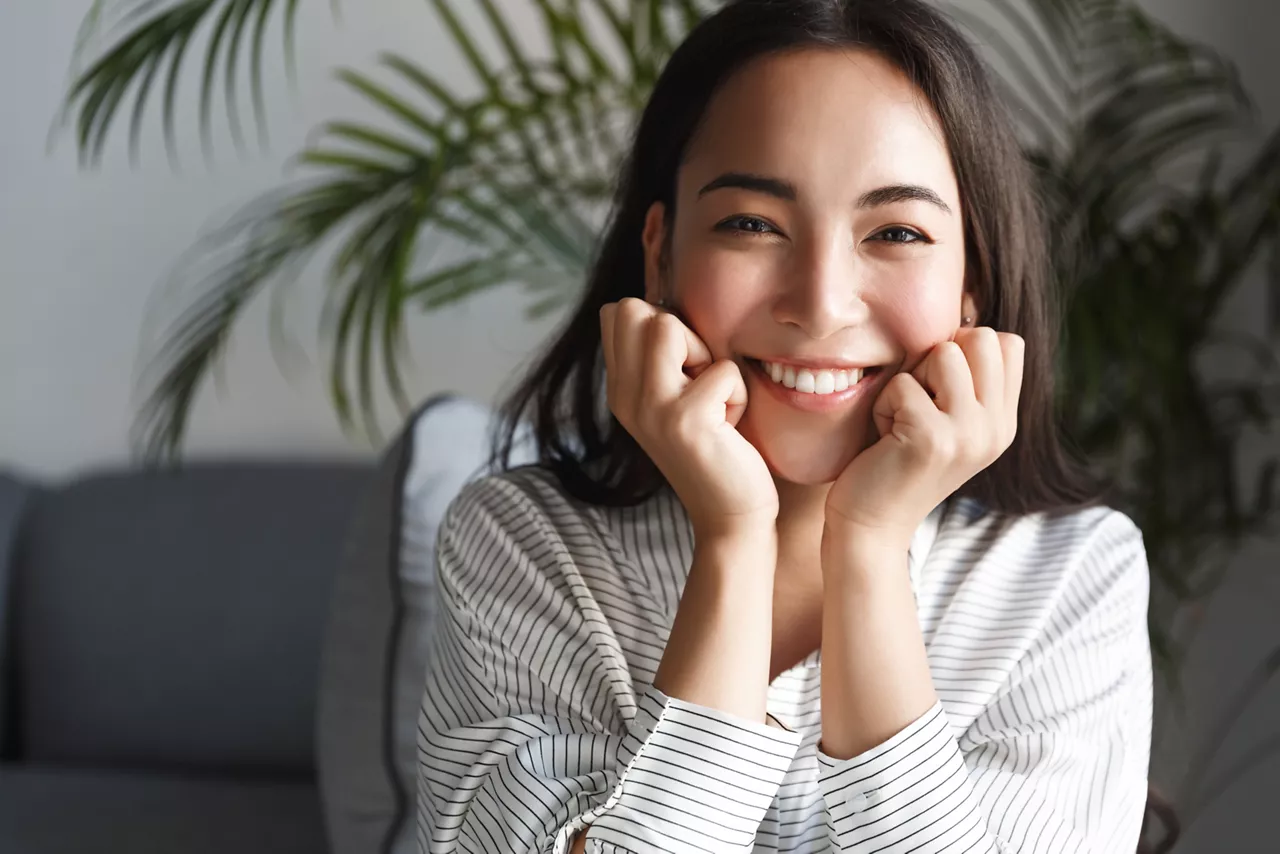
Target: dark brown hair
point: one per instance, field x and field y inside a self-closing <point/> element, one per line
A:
<point x="1006" y="247"/>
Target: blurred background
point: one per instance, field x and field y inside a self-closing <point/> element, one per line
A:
<point x="331" y="214"/>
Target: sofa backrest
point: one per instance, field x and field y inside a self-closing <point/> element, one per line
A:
<point x="14" y="494"/>
<point x="376" y="654"/>
<point x="173" y="619"/>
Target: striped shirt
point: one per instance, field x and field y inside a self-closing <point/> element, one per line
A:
<point x="539" y="716"/>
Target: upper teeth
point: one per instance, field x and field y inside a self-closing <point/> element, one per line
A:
<point x="812" y="382"/>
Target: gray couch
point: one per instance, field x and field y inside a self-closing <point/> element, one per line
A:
<point x="229" y="657"/>
<point x="160" y="640"/>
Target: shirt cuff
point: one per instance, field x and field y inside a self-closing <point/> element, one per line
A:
<point x="694" y="776"/>
<point x="913" y="788"/>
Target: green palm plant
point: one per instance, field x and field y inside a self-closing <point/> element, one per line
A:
<point x="1126" y="124"/>
<point x="514" y="174"/>
<point x="1124" y="121"/>
<point x="1150" y="241"/>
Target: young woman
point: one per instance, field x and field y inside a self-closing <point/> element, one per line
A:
<point x="804" y="566"/>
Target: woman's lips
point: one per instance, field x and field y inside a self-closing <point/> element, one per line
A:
<point x="808" y="402"/>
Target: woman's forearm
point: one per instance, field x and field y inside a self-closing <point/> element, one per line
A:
<point x="721" y="641"/>
<point x="875" y="671"/>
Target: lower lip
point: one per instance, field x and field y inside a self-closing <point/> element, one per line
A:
<point x="814" y="402"/>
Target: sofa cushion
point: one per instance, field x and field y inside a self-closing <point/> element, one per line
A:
<point x="173" y="619"/>
<point x="45" y="810"/>
<point x="375" y="654"/>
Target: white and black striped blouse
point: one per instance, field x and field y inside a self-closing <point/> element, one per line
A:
<point x="539" y="717"/>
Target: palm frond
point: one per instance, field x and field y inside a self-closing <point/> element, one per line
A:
<point x="1147" y="249"/>
<point x="1113" y="70"/>
<point x="497" y="172"/>
<point x="133" y="45"/>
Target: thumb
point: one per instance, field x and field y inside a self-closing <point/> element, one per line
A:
<point x="720" y="385"/>
<point x="902" y="392"/>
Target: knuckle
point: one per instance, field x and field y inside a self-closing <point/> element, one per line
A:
<point x="987" y="339"/>
<point x="985" y="335"/>
<point x="631" y="308"/>
<point x="662" y="326"/>
<point x="900" y="383"/>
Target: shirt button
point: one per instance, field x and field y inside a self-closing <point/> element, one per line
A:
<point x="858" y="801"/>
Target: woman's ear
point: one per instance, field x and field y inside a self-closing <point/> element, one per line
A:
<point x="968" y="305"/>
<point x="655" y="230"/>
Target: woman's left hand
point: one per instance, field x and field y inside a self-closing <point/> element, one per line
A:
<point x="939" y="425"/>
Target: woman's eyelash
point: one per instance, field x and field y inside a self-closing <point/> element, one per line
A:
<point x="729" y="225"/>
<point x="736" y="224"/>
<point x="916" y="237"/>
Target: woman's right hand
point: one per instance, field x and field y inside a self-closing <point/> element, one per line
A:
<point x="686" y="422"/>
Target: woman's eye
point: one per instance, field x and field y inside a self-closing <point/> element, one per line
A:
<point x="899" y="234"/>
<point x="746" y="224"/>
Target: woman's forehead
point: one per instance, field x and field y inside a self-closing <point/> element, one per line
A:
<point x="826" y="120"/>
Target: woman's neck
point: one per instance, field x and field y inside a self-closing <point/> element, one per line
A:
<point x="801" y="512"/>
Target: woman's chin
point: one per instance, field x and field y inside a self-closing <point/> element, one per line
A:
<point x="806" y="472"/>
<point x="816" y="465"/>
<point x="802" y="452"/>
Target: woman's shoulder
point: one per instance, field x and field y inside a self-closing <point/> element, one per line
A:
<point x="1087" y="551"/>
<point x="517" y="544"/>
<point x="514" y="526"/>
<point x="526" y="520"/>
<point x="1043" y="534"/>
<point x="528" y="498"/>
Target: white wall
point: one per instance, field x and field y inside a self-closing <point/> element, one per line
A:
<point x="82" y="253"/>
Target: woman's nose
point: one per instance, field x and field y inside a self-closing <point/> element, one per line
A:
<point x="821" y="293"/>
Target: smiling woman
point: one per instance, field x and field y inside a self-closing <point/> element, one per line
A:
<point x="803" y="565"/>
<point x="859" y="259"/>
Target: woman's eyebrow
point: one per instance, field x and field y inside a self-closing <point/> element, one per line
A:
<point x="902" y="193"/>
<point x="786" y="190"/>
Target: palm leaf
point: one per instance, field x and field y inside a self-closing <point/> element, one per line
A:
<point x="136" y="44"/>
<point x="1148" y="241"/>
<point x="497" y="172"/>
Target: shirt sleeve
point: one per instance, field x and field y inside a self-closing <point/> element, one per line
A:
<point x="531" y="730"/>
<point x="1057" y="762"/>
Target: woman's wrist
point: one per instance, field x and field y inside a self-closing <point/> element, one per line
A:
<point x="718" y="651"/>
<point x="743" y="556"/>
<point x="740" y="531"/>
<point x="849" y="548"/>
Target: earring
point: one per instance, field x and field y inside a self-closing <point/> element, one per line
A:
<point x="662" y="303"/>
<point x="965" y="321"/>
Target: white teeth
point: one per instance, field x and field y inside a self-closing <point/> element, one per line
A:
<point x="812" y="382"/>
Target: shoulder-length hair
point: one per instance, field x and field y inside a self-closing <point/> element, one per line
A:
<point x="1007" y="265"/>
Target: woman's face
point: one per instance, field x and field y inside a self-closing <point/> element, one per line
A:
<point x="818" y="231"/>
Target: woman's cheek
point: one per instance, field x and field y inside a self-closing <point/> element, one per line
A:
<point x="714" y="291"/>
<point x="923" y="310"/>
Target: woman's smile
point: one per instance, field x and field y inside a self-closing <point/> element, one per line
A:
<point x="812" y="390"/>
